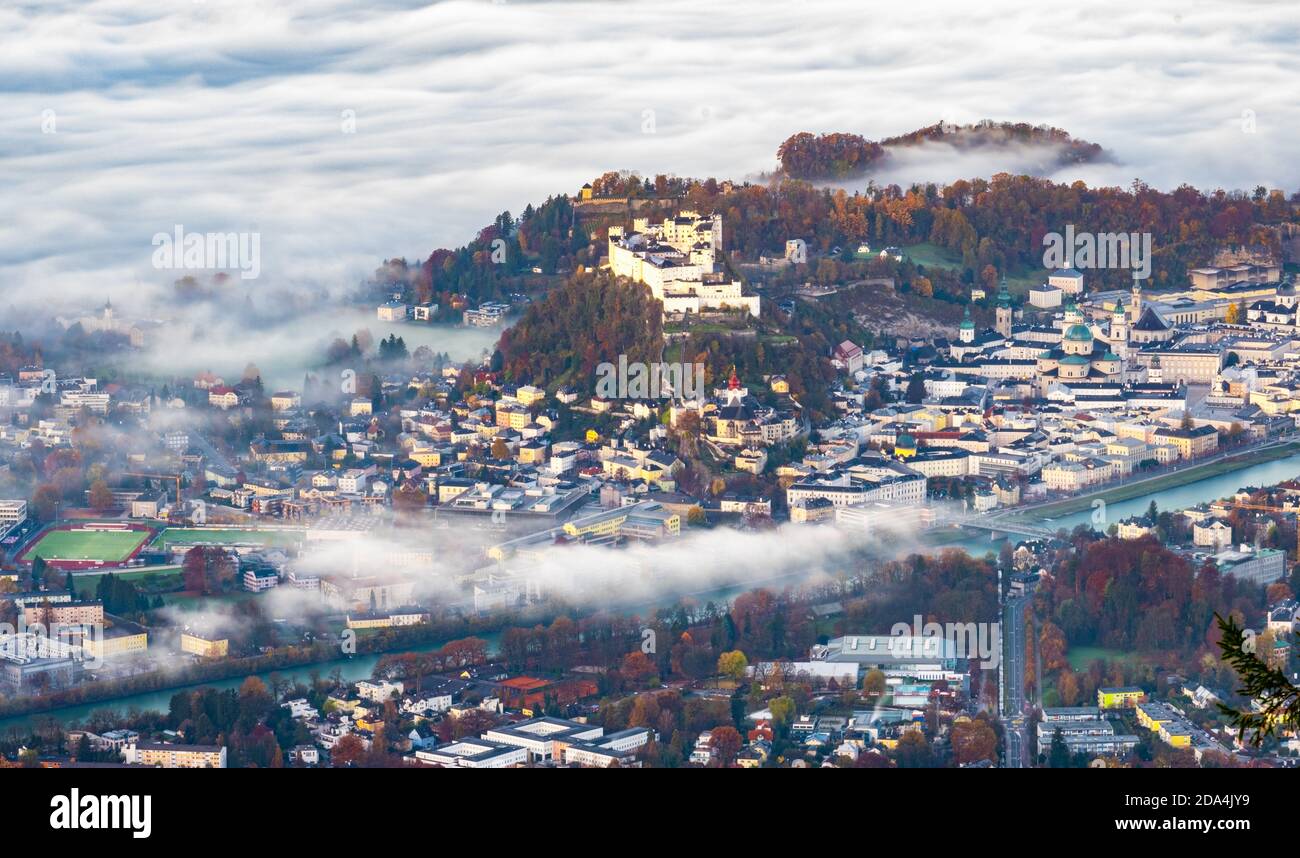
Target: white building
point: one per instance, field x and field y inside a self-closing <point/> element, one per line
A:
<point x="475" y="754"/>
<point x="378" y="692"/>
<point x="677" y="259"/>
<point x="12" y="514"/>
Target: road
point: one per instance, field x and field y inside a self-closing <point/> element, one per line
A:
<point x="1013" y="673"/>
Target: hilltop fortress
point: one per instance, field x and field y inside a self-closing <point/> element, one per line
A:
<point x="678" y="260"/>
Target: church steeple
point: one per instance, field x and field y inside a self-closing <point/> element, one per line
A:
<point x="1003" y="313"/>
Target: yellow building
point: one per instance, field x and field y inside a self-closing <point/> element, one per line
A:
<point x="638" y="517"/>
<point x="1120" y="698"/>
<point x="533" y="453"/>
<point x="529" y="395"/>
<point x="426" y="457"/>
<point x="779" y="384"/>
<point x="204" y="646"/>
<point x="1152" y="715"/>
<point x="176" y="756"/>
<point x="386" y="619"/>
<point x="514" y="416"/>
<point x="118" y="640"/>
<point x="1176" y="734"/>
<point x="1190" y="443"/>
<point x="905" y="446"/>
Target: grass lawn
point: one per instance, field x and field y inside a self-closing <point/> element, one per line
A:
<point x="190" y="602"/>
<point x="933" y="256"/>
<point x="107" y="546"/>
<point x="221" y="536"/>
<point x="1082" y="656"/>
<point x="84" y="583"/>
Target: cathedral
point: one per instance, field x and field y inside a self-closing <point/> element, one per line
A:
<point x="1081" y="357"/>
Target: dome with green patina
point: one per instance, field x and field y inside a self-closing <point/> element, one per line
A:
<point x="966" y="322"/>
<point x="1074" y="360"/>
<point x="1047" y="355"/>
<point x="1079" y="334"/>
<point x="1109" y="355"/>
<point x="907" y="442"/>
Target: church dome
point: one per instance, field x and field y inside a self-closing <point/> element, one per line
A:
<point x="1079" y="333"/>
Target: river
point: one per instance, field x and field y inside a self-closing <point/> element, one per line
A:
<point x="360" y="667"/>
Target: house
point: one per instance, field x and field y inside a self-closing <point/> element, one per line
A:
<point x="222" y="397"/>
<point x="1214" y="533"/>
<point x="702" y="753"/>
<point x="391" y="311"/>
<point x="258" y="578"/>
<point x="300" y="708"/>
<point x="304" y="755"/>
<point x="848" y="356"/>
<point x="378" y="692"/>
<point x="1134" y="527"/>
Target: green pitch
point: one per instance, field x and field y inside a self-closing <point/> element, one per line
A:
<point x="108" y="546"/>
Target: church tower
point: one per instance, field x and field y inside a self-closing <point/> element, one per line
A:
<point x="1154" y="374"/>
<point x="1135" y="311"/>
<point x="1119" y="329"/>
<point x="967" y="331"/>
<point x="1003" y="322"/>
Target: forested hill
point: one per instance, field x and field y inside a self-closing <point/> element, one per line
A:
<point x="840" y="155"/>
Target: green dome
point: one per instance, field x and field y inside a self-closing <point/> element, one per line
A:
<point x="1047" y="355"/>
<point x="1079" y="333"/>
<point x="1109" y="355"/>
<point x="906" y="441"/>
<point x="1074" y="360"/>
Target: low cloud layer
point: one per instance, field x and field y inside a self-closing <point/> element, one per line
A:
<point x="344" y="134"/>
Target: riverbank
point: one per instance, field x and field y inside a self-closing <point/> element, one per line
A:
<point x="297" y="658"/>
<point x="1141" y="488"/>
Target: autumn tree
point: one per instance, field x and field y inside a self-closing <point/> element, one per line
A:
<point x="45" y="501"/>
<point x="348" y="751"/>
<point x="733" y="664"/>
<point x="725" y="743"/>
<point x="637" y="668"/>
<point x="973" y="740"/>
<point x="101" y="497"/>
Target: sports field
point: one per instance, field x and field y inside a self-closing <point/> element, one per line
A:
<point x="87" y="547"/>
<point x="228" y="536"/>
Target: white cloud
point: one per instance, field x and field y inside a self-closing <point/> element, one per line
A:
<point x="225" y="115"/>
